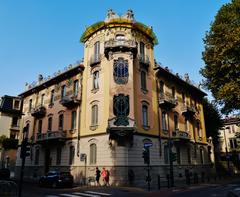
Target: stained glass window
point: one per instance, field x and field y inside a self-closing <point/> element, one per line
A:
<point x="120" y="71"/>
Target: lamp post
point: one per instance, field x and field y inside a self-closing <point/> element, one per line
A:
<point x="23" y="156"/>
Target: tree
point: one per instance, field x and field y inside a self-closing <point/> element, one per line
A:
<point x="222" y="57"/>
<point x="213" y="121"/>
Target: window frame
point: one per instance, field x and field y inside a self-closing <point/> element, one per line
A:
<point x="93" y="154"/>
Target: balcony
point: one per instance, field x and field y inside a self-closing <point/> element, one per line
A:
<point x="94" y="60"/>
<point x="144" y="61"/>
<point x="71" y="100"/>
<point x="51" y="136"/>
<point x="180" y="135"/>
<point x="120" y="45"/>
<point x="39" y="111"/>
<point x="15" y="127"/>
<point x="167" y="101"/>
<point x="188" y="110"/>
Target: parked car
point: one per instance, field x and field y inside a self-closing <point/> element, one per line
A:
<point x="4" y="174"/>
<point x="57" y="179"/>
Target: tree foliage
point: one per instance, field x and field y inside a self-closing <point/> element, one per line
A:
<point x="213" y="121"/>
<point x="8" y="143"/>
<point x="222" y="57"/>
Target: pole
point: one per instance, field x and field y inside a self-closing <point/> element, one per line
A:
<point x="148" y="176"/>
<point x="23" y="146"/>
<point x="170" y="163"/>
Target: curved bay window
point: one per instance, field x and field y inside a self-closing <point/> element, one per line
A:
<point x="121" y="109"/>
<point x="120" y="71"/>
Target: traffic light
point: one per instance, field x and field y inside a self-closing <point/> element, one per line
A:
<point x="173" y="156"/>
<point x="146" y="155"/>
<point x="25" y="149"/>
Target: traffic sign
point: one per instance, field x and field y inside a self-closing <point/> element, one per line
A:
<point x="148" y="144"/>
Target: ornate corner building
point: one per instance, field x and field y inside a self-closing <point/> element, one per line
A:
<point x="101" y="112"/>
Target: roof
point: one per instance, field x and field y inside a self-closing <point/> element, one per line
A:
<point x="231" y="120"/>
<point x="119" y="22"/>
<point x="6" y="105"/>
<point x="50" y="81"/>
<point x="160" y="71"/>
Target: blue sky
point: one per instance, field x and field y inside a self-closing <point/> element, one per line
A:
<point x="42" y="36"/>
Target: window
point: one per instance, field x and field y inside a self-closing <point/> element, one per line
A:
<point x="166" y="155"/>
<point x="175" y="118"/>
<point x="16" y="104"/>
<point x="201" y="156"/>
<point x="50" y="124"/>
<point x="161" y="87"/>
<point x="71" y="154"/>
<point x="94" y="121"/>
<point x="199" y="131"/>
<point x="74" y="117"/>
<point x="58" y="155"/>
<point x="52" y="97"/>
<point x="233" y="129"/>
<point x="173" y="92"/>
<point x="75" y="88"/>
<point x="93" y="154"/>
<point x="120" y="71"/>
<point x="143" y="80"/>
<point x="42" y="99"/>
<point x="30" y="105"/>
<point x="183" y="98"/>
<point x="120" y="37"/>
<point x="60" y="122"/>
<point x="142" y="49"/>
<point x="36" y="160"/>
<point x="40" y="126"/>
<point x="15" y="121"/>
<point x="233" y="143"/>
<point x="121" y="109"/>
<point x="186" y="125"/>
<point x="63" y="91"/>
<point x="178" y="155"/>
<point x="145" y="115"/>
<point x="97" y="50"/>
<point x="164" y="121"/>
<point x="189" y="159"/>
<point x="96" y="80"/>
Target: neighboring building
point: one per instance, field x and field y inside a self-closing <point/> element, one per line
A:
<point x="229" y="145"/>
<point x="101" y="112"/>
<point x="10" y="115"/>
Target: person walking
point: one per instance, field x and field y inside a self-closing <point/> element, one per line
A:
<point x="104" y="174"/>
<point x="98" y="174"/>
<point x="107" y="178"/>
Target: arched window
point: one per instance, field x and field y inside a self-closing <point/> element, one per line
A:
<point x="42" y="99"/>
<point x="30" y="105"/>
<point x="94" y="121"/>
<point x="175" y="118"/>
<point x="199" y="131"/>
<point x="71" y="154"/>
<point x="186" y="125"/>
<point x="120" y="71"/>
<point x="97" y="51"/>
<point x="40" y="126"/>
<point x="75" y="87"/>
<point x="52" y="97"/>
<point x="121" y="109"/>
<point x="93" y="154"/>
<point x="164" y="121"/>
<point x="142" y="49"/>
<point x="36" y="160"/>
<point x="143" y="80"/>
<point x="120" y="37"/>
<point x="60" y="122"/>
<point x="145" y="115"/>
<point x="74" y="118"/>
<point x="63" y="91"/>
<point x="161" y="87"/>
<point x="50" y="124"/>
<point x="96" y="80"/>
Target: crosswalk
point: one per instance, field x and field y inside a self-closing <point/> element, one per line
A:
<point x="81" y="194"/>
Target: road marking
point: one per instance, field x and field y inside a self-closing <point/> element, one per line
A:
<point x="100" y="193"/>
<point x="84" y="194"/>
<point x="69" y="195"/>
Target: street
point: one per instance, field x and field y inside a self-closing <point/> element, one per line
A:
<point x="203" y="190"/>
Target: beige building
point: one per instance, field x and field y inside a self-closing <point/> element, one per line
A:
<point x="10" y="116"/>
<point x="229" y="145"/>
<point x="102" y="111"/>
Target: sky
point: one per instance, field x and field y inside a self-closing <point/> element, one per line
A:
<point x="42" y="36"/>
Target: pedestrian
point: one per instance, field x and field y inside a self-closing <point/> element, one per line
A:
<point x="98" y="174"/>
<point x="104" y="174"/>
<point x="107" y="178"/>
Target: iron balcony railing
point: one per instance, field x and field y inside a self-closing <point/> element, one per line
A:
<point x="38" y="111"/>
<point x="177" y="134"/>
<point x="120" y="43"/>
<point x="51" y="135"/>
<point x="167" y="100"/>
